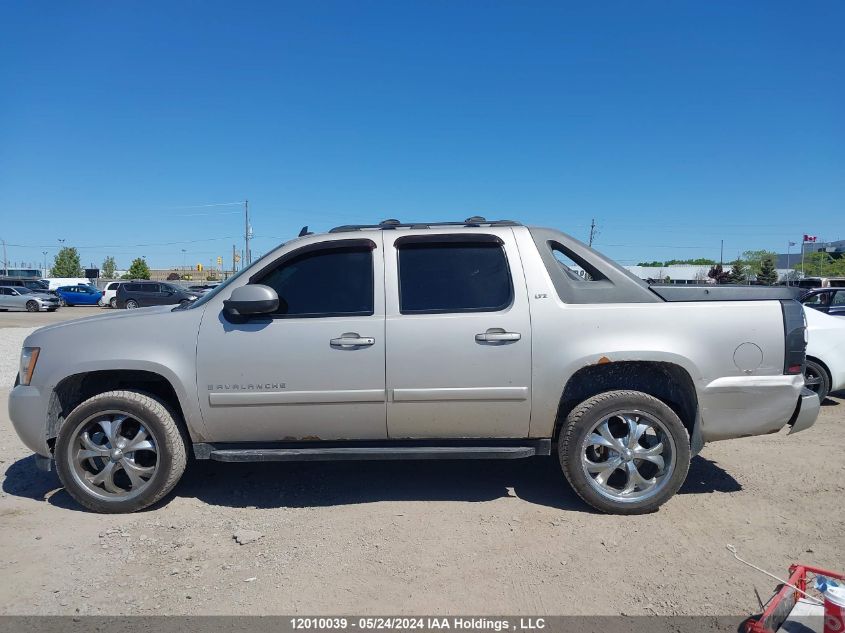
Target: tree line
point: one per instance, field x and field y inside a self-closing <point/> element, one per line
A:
<point x="68" y="264"/>
<point x="760" y="267"/>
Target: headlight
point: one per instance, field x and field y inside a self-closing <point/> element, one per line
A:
<point x="29" y="356"/>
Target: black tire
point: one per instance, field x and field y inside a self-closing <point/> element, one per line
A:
<point x="113" y="302"/>
<point x="816" y="378"/>
<point x="32" y="306"/>
<point x="160" y="422"/>
<point x="131" y="304"/>
<point x="590" y="413"/>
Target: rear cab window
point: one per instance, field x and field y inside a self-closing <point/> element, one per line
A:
<point x="452" y="274"/>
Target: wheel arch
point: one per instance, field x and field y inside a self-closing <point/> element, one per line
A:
<point x="823" y="365"/>
<point x="668" y="382"/>
<point x="72" y="390"/>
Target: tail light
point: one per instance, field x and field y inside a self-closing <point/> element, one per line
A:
<point x="795" y="337"/>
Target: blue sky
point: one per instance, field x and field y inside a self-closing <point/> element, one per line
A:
<point x="674" y="124"/>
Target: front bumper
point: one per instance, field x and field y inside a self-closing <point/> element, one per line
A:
<point x="806" y="412"/>
<point x="28" y="413"/>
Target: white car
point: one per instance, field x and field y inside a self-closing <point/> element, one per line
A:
<point x="110" y="293"/>
<point x="825" y="353"/>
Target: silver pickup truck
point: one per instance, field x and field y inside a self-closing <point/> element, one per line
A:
<point x="464" y="340"/>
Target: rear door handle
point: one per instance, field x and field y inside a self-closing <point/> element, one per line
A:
<point x="349" y="340"/>
<point x="497" y="335"/>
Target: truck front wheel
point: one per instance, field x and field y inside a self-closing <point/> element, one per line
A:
<point x="624" y="452"/>
<point x="120" y="451"/>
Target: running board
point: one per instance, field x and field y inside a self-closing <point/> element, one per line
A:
<point x="254" y="453"/>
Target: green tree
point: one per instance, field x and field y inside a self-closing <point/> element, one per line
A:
<point x="700" y="261"/>
<point x="821" y="265"/>
<point x="109" y="266"/>
<point x="66" y="263"/>
<point x="768" y="273"/>
<point x="754" y="259"/>
<point x="739" y="272"/>
<point x="138" y="269"/>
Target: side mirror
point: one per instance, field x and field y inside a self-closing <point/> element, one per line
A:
<point x="251" y="299"/>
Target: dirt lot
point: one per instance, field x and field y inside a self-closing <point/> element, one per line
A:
<point x="405" y="537"/>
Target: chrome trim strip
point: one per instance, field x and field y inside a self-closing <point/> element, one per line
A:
<point x="253" y="398"/>
<point x="450" y="394"/>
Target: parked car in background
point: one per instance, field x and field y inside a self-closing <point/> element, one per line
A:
<point x="201" y="289"/>
<point x="142" y="294"/>
<point x="110" y="293"/>
<point x="21" y="298"/>
<point x="821" y="282"/>
<point x="80" y="295"/>
<point x="825" y="370"/>
<point x="54" y="283"/>
<point x="36" y="285"/>
<point x="828" y="300"/>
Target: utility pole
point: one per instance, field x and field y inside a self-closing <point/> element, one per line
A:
<point x="722" y="253"/>
<point x="45" y="262"/>
<point x="592" y="232"/>
<point x="234" y="259"/>
<point x="5" y="261"/>
<point x="246" y="233"/>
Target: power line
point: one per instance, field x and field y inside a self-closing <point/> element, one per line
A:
<point x="150" y="244"/>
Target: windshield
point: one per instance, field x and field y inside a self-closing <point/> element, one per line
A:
<point x="24" y="291"/>
<point x="212" y="293"/>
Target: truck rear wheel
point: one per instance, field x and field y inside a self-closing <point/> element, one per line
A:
<point x="120" y="451"/>
<point x="624" y="452"/>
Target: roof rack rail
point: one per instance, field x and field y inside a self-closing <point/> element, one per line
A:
<point x="474" y="221"/>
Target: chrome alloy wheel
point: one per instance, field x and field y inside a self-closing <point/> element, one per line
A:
<point x="113" y="455"/>
<point x="628" y="456"/>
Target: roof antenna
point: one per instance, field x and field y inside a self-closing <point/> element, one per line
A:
<point x="304" y="231"/>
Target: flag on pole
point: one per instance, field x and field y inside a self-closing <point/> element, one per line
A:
<point x="809" y="238"/>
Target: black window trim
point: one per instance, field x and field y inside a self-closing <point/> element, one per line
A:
<point x="452" y="238"/>
<point x="328" y="245"/>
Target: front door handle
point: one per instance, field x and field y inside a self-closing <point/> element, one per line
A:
<point x="497" y="335"/>
<point x="349" y="340"/>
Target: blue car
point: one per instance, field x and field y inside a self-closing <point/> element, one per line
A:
<point x="80" y="295"/>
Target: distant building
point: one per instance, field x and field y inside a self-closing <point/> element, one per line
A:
<point x="789" y="260"/>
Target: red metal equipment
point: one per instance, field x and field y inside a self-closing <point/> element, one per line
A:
<point x="779" y="607"/>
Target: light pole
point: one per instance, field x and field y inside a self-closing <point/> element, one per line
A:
<point x="45" y="262"/>
<point x="183" y="261"/>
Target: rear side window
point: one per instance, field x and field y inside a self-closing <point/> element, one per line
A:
<point x="326" y="282"/>
<point x="437" y="277"/>
<point x="134" y="287"/>
<point x="838" y="298"/>
<point x="112" y="287"/>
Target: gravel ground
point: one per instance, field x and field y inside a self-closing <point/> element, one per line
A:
<point x="405" y="537"/>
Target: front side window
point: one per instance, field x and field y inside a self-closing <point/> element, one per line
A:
<point x="325" y="282"/>
<point x="819" y="299"/>
<point x="453" y="276"/>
